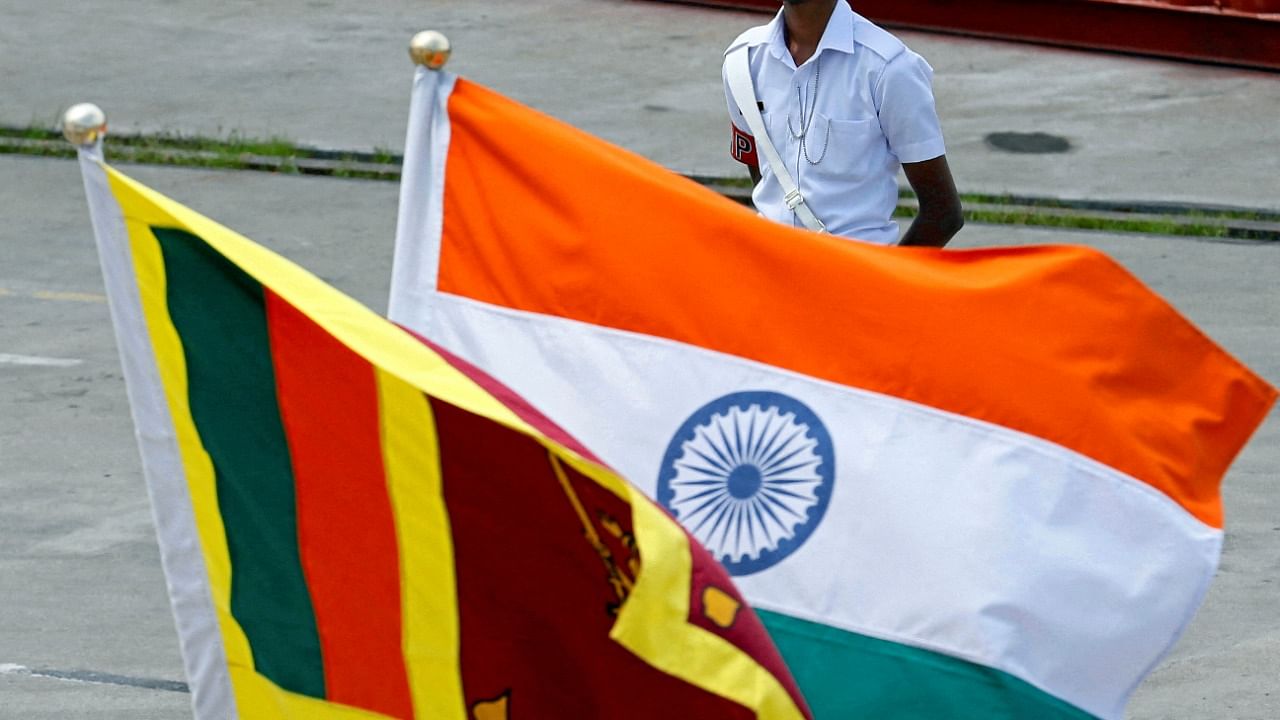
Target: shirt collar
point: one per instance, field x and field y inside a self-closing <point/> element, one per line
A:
<point x="838" y="36"/>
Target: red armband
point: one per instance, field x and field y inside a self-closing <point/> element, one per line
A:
<point x="743" y="148"/>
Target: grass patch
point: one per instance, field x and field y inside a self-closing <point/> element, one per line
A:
<point x="236" y="151"/>
<point x="1183" y="211"/>
<point x="280" y="155"/>
<point x="1085" y="222"/>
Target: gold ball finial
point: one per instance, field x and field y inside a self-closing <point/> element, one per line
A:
<point x="430" y="49"/>
<point x="84" y="124"/>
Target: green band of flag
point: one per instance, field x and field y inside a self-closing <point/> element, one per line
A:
<point x="845" y="674"/>
<point x="218" y="311"/>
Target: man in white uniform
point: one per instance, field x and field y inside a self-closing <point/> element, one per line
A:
<point x="846" y="104"/>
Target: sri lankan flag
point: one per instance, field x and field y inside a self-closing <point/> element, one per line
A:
<point x="355" y="524"/>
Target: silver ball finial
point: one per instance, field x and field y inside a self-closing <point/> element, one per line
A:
<point x="430" y="49"/>
<point x="83" y="124"/>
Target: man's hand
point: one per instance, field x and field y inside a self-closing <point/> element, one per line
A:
<point x="940" y="215"/>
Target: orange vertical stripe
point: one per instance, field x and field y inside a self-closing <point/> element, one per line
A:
<point x="1057" y="342"/>
<point x="329" y="404"/>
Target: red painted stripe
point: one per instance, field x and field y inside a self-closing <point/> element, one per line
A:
<point x="346" y="531"/>
<point x="1240" y="32"/>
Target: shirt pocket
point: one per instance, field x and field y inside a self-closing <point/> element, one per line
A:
<point x="854" y="149"/>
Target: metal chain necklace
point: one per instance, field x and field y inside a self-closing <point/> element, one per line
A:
<point x="806" y="116"/>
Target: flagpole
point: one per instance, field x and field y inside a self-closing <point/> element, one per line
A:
<point x="430" y="49"/>
<point x="421" y="214"/>
<point x="204" y="660"/>
<point x="84" y="124"/>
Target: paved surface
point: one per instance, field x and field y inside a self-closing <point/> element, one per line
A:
<point x="641" y="74"/>
<point x="80" y="582"/>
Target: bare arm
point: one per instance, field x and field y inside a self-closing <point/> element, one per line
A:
<point x="941" y="216"/>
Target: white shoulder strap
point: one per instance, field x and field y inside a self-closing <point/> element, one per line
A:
<point x="738" y="71"/>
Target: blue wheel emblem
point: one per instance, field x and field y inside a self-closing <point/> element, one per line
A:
<point x="750" y="476"/>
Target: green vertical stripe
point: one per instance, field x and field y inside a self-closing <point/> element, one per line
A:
<point x="846" y="675"/>
<point x="220" y="316"/>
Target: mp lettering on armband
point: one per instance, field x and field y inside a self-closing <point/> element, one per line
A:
<point x="743" y="148"/>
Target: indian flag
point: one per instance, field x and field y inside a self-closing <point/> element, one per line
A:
<point x="355" y="524"/>
<point x="956" y="484"/>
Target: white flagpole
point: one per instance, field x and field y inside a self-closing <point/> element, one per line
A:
<point x="203" y="655"/>
<point x="421" y="212"/>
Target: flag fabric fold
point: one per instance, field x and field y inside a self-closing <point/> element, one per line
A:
<point x="956" y="484"/>
<point x="356" y="524"/>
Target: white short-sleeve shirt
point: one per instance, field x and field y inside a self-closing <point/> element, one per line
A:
<point x="843" y="122"/>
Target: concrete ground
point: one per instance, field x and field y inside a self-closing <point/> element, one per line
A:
<point x="81" y="589"/>
<point x="640" y="74"/>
